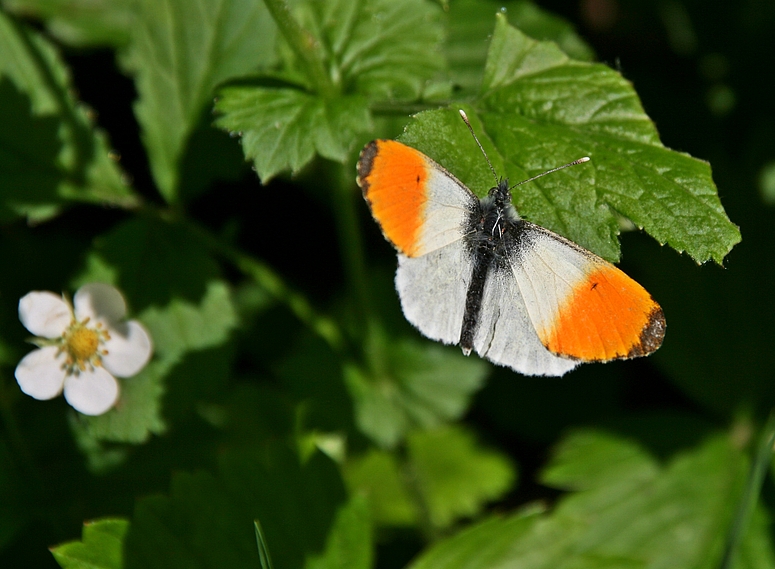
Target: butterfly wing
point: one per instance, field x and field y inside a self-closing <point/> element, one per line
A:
<point x="581" y="306"/>
<point x="419" y="205"/>
<point x="422" y="210"/>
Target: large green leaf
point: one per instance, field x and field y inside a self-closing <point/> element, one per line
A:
<point x="101" y="546"/>
<point x="179" y="53"/>
<point x="538" y="109"/>
<point x="373" y="50"/>
<point x="633" y="512"/>
<point x="50" y="152"/>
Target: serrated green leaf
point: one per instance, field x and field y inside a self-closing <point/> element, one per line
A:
<point x="591" y="110"/>
<point x="179" y="54"/>
<point x="470" y="26"/>
<point x="207" y="521"/>
<point x="101" y="546"/>
<point x="384" y="49"/>
<point x="675" y="518"/>
<point x="50" y="153"/>
<point x="80" y="22"/>
<point x="349" y="543"/>
<point x="373" y="50"/>
<point x="455" y="474"/>
<point x="283" y="129"/>
<point x="133" y="420"/>
<point x="424" y="386"/>
<point x="539" y="109"/>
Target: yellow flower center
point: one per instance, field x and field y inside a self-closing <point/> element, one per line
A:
<point x="82" y="345"/>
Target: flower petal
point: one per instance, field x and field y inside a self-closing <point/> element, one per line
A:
<point x="99" y="301"/>
<point x="129" y="349"/>
<point x="40" y="374"/>
<point x="92" y="392"/>
<point x="44" y="314"/>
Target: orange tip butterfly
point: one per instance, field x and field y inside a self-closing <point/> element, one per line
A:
<point x="472" y="272"/>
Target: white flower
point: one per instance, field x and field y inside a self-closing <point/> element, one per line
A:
<point x="82" y="346"/>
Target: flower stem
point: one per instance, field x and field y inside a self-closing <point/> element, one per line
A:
<point x="305" y="45"/>
<point x="747" y="504"/>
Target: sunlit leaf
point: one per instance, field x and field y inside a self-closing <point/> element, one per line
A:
<point x="101" y="546"/>
<point x="539" y="109"/>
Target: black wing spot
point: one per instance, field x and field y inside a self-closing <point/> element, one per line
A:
<point x="594" y="286"/>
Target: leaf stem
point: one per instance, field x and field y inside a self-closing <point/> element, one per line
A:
<point x="305" y="45"/>
<point x="265" y="276"/>
<point x="747" y="504"/>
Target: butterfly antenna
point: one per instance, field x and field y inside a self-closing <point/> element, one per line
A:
<point x="579" y="161"/>
<point x="468" y="124"/>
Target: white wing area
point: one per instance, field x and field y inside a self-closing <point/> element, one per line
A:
<point x="506" y="334"/>
<point x="447" y="209"/>
<point x="433" y="289"/>
<point x="548" y="270"/>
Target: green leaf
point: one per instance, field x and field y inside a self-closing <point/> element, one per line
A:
<point x="470" y="25"/>
<point x="173" y="287"/>
<point x="377" y="475"/>
<point x="645" y="515"/>
<point x="136" y="416"/>
<point x="449" y="470"/>
<point x="207" y="521"/>
<point x="455" y="475"/>
<point x="384" y="49"/>
<point x="539" y="109"/>
<point x="284" y="128"/>
<point x="349" y="543"/>
<point x="424" y="386"/>
<point x="80" y="23"/>
<point x="50" y="153"/>
<point x="172" y="284"/>
<point x="101" y="546"/>
<point x="374" y="50"/>
<point x="179" y="54"/>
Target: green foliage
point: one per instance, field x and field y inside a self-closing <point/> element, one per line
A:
<point x="288" y="412"/>
<point x="631" y="512"/>
<point x="101" y="546"/>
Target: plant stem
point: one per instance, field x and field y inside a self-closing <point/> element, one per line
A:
<point x="750" y="495"/>
<point x="262" y="274"/>
<point x="305" y="45"/>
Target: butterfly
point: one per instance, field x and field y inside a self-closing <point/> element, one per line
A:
<point x="472" y="272"/>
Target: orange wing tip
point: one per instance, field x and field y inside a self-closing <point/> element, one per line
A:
<point x="607" y="317"/>
<point x="393" y="178"/>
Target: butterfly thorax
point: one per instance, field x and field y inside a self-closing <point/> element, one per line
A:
<point x="495" y="226"/>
